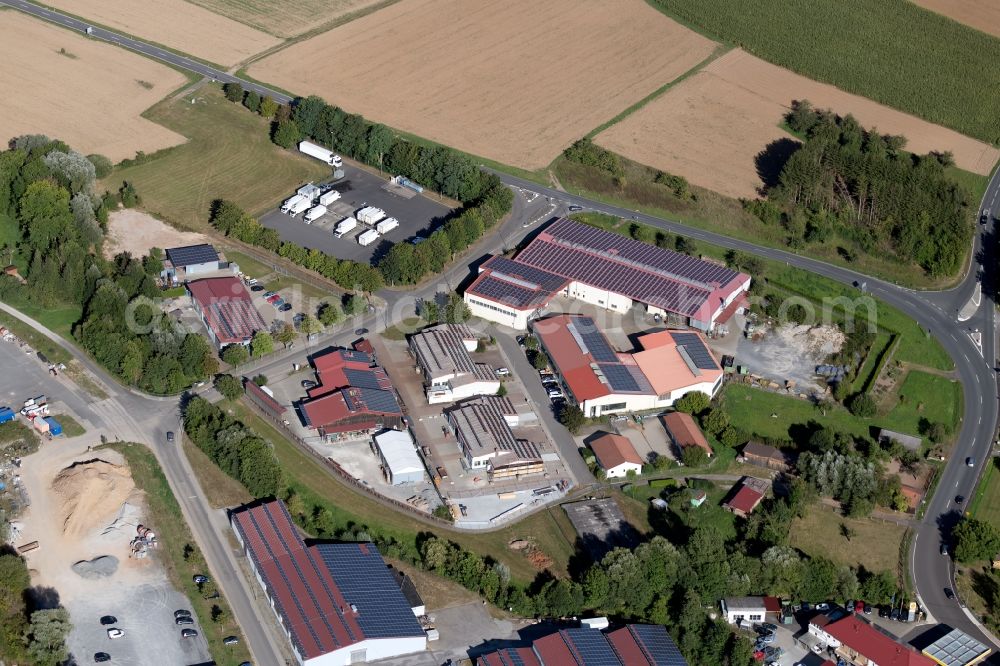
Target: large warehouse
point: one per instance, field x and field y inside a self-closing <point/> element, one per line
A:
<point x="604" y="269"/>
<point x="226" y="309"/>
<point x="443" y="355"/>
<point x="601" y="380"/>
<point x="338" y="603"/>
<point x="398" y="455"/>
<point x="632" y="645"/>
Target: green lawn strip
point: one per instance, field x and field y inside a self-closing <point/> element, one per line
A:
<point x="986" y="504"/>
<point x="924" y="396"/>
<point x="317" y="486"/>
<point x="398" y="332"/>
<point x="866" y="373"/>
<point x="873" y="544"/>
<point x="258" y="269"/>
<point x="71" y="427"/>
<point x="180" y="555"/>
<point x="38" y="341"/>
<point x="714" y="212"/>
<point x="229" y="155"/>
<point x="857" y="46"/>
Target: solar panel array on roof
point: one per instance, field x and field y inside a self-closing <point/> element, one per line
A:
<point x="593" y="339"/>
<point x="696" y="349"/>
<point x="363" y="378"/>
<point x="372" y="399"/>
<point x="620" y="378"/>
<point x="649" y="257"/>
<point x="657" y="644"/>
<point x="592" y="646"/>
<point x="192" y="254"/>
<point x="366" y="582"/>
<point x="545" y="280"/>
<point x="238" y="319"/>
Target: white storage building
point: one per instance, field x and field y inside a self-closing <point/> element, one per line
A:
<point x="450" y="374"/>
<point x="398" y="454"/>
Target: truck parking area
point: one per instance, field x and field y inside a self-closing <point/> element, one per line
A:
<point x="358" y="189"/>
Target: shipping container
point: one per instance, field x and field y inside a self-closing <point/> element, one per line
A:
<point x="370" y="214"/>
<point x="55" y="428"/>
<point x="7" y="414"/>
<point x="386" y="225"/>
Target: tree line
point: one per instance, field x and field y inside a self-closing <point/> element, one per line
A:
<point x="48" y="191"/>
<point x="846" y="181"/>
<point x="235" y="448"/>
<point x="486" y="200"/>
<point x="31" y="631"/>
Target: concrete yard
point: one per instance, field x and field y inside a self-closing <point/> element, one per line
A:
<point x="601" y="526"/>
<point x="417" y="214"/>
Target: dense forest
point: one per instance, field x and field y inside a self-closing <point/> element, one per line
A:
<point x="862" y="186"/>
<point x="55" y="220"/>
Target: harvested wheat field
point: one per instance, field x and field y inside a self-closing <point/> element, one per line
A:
<point x="514" y="81"/>
<point x="983" y="15"/>
<point x="135" y="232"/>
<point x="92" y="493"/>
<point x="176" y="24"/>
<point x="90" y="96"/>
<point x="710" y="127"/>
<point x="287" y="18"/>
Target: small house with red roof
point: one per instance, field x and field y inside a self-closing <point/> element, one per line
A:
<point x="685" y="433"/>
<point x="746" y="496"/>
<point x="616" y="455"/>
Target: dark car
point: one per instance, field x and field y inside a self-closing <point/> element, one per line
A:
<point x="361" y="331"/>
<point x="183" y="619"/>
<point x="576" y="208"/>
<point x="969" y="462"/>
<point x="959" y="499"/>
<point x="894" y="614"/>
<point x="188" y="633"/>
<point x="286" y="307"/>
<point x="100" y="657"/>
<point x="230" y="640"/>
<point x="170" y="436"/>
<point x="944" y="549"/>
<point x="200" y="578"/>
<point x="950" y="593"/>
<point x="108" y="620"/>
<point x="868" y="609"/>
<point x="182" y="613"/>
<point x="308" y="384"/>
<point x="985" y="217"/>
<point x="257" y="287"/>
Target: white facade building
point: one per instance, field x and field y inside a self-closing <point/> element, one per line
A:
<point x="398" y="454"/>
<point x="450" y="374"/>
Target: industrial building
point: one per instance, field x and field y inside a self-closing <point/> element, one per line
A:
<point x="398" y="455"/>
<point x="607" y="270"/>
<point x="443" y="356"/>
<point x="225" y="308"/>
<point x="855" y="641"/>
<point x="957" y="648"/>
<point x="483" y="429"/>
<point x="616" y="455"/>
<point x="631" y="645"/>
<point x="354" y="397"/>
<point x="338" y="603"/>
<point x="183" y="263"/>
<point x="744" y="611"/>
<point x="601" y="380"/>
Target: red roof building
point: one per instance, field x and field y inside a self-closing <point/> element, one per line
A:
<point x="860" y="642"/>
<point x="746" y="498"/>
<point x="631" y="645"/>
<point x="226" y="309"/>
<point x="616" y="455"/>
<point x="684" y="432"/>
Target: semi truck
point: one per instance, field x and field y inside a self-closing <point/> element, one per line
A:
<point x="368" y="237"/>
<point x="293" y="203"/>
<point x="320" y="153"/>
<point x="329" y="197"/>
<point x="345" y="225"/>
<point x="315" y="213"/>
<point x="370" y="214"/>
<point x="298" y="206"/>
<point x="386" y="225"/>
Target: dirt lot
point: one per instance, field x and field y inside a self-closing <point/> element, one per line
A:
<point x="90" y="96"/>
<point x="287" y="18"/>
<point x="982" y="15"/>
<point x="177" y="24"/>
<point x="484" y="79"/>
<point x="710" y="127"/>
<point x="136" y="232"/>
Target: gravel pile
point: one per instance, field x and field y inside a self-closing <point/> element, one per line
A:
<point x="99" y="567"/>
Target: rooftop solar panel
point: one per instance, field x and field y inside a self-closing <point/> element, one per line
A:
<point x="696" y="349"/>
<point x="592" y="646"/>
<point x="545" y="280"/>
<point x="593" y="339"/>
<point x="375" y="400"/>
<point x="620" y="379"/>
<point x="362" y="378"/>
<point x="507" y="292"/>
<point x="192" y="254"/>
<point x="657" y="644"/>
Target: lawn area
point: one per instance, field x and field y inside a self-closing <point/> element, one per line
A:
<point x="180" y="554"/>
<point x="867" y="369"/>
<point x="857" y="45"/>
<point x="71" y="427"/>
<point x="550" y="529"/>
<point x="925" y="396"/>
<point x="38" y="341"/>
<point x="229" y="155"/>
<point x="710" y="514"/>
<point x="277" y="282"/>
<point x="986" y="504"/>
<point x="221" y="490"/>
<point x="399" y="331"/>
<point x="874" y="544"/>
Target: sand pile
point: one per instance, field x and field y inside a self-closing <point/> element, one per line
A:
<point x="91" y="493"/>
<point x="99" y="567"/>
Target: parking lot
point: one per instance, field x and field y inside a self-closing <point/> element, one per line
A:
<point x="417" y="214"/>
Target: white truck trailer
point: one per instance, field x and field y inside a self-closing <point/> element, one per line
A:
<point x="315" y="213"/>
<point x="345" y="225"/>
<point x="370" y="214"/>
<point x="294" y="202"/>
<point x="368" y="237"/>
<point x="386" y="225"/>
<point x="329" y="197"/>
<point x="320" y="153"/>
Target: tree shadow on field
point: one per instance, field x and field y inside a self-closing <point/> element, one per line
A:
<point x="771" y="161"/>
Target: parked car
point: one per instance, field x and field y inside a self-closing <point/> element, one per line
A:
<point x="181" y="613"/>
<point x="868" y="609"/>
<point x="115" y="632"/>
<point x="256" y="287"/>
<point x="766" y="638"/>
<point x="188" y="633"/>
<point x="272" y="298"/>
<point x="894" y="614"/>
<point x="503" y="372"/>
<point x="108" y="620"/>
<point x="268" y="294"/>
<point x="308" y="384"/>
<point x="859" y="607"/>
<point x="556" y="393"/>
<point x="278" y="303"/>
<point x="170" y="436"/>
<point x="360" y="331"/>
<point x="200" y="578"/>
<point x="101" y="657"/>
<point x="183" y="619"/>
<point x="768" y="627"/>
<point x="230" y="640"/>
<point x="285" y="307"/>
<point x="822" y="606"/>
<point x="969" y="462"/>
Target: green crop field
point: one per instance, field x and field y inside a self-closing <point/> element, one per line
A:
<point x="888" y="50"/>
<point x="228" y="155"/>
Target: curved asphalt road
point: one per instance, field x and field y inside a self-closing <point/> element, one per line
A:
<point x="935" y="311"/>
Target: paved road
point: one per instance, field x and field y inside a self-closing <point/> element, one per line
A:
<point x="936" y="312"/>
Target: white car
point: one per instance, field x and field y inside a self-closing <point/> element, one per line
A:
<point x="555" y="394"/>
<point x="115" y="632"/>
<point x="503" y="372"/>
